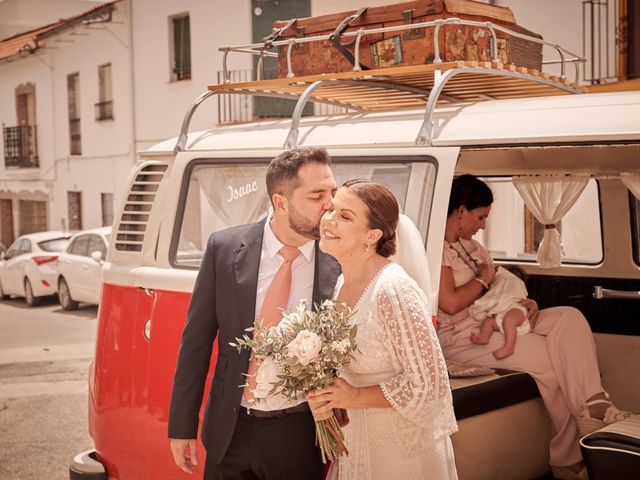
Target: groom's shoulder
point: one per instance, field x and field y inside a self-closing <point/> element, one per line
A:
<point x="231" y="236"/>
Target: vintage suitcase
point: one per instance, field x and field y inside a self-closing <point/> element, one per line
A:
<point x="408" y="47"/>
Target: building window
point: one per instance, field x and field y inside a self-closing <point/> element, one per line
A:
<point x="107" y="209"/>
<point x="180" y="47"/>
<point x="104" y="108"/>
<point x="32" y="216"/>
<point x="73" y="96"/>
<point x="74" y="207"/>
<point x="20" y="141"/>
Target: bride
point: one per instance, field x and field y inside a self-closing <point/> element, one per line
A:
<point x="396" y="388"/>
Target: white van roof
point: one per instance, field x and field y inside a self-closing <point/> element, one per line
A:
<point x="606" y="117"/>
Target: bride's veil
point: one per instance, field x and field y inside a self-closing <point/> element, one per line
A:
<point x="411" y="256"/>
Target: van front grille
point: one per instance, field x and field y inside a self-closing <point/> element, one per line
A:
<point x="135" y="215"/>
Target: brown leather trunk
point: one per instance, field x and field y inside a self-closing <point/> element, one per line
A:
<point x="408" y="47"/>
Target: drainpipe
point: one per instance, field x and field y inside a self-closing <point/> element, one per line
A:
<point x="134" y="137"/>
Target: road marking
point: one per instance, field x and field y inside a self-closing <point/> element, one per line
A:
<point x="44" y="353"/>
<point x="66" y="387"/>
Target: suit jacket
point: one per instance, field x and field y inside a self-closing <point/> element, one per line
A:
<point x="223" y="306"/>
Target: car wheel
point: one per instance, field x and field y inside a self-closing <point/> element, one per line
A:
<point x="64" y="296"/>
<point x="32" y="301"/>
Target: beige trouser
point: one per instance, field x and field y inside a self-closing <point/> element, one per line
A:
<point x="560" y="355"/>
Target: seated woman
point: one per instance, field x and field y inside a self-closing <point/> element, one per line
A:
<point x="559" y="352"/>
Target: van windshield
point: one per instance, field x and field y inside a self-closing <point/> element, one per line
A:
<point x="221" y="196"/>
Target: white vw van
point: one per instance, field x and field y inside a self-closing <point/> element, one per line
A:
<point x="215" y="179"/>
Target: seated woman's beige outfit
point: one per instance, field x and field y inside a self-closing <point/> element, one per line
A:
<point x="559" y="354"/>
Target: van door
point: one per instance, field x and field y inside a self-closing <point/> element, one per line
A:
<point x="217" y="191"/>
<point x="600" y="271"/>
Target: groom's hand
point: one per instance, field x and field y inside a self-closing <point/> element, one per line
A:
<point x="184" y="453"/>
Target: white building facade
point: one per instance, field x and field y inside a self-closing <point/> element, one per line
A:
<point x="68" y="143"/>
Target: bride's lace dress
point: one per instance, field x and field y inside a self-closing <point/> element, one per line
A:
<point x="398" y="349"/>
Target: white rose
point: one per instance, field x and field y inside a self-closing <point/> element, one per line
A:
<point x="305" y="346"/>
<point x="285" y="326"/>
<point x="266" y="376"/>
<point x="341" y="346"/>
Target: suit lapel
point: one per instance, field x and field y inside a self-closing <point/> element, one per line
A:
<point x="325" y="276"/>
<point x="246" y="263"/>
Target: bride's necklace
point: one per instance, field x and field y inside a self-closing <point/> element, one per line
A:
<point x="466" y="257"/>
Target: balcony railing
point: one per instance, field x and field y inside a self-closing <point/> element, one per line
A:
<point x="20" y="147"/>
<point x="75" y="145"/>
<point x="104" y="110"/>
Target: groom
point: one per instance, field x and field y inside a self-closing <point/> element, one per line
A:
<point x="251" y="272"/>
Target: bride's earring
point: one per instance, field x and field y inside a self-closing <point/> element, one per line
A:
<point x="367" y="249"/>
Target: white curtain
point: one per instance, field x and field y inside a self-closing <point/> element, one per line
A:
<point x="549" y="198"/>
<point x="236" y="194"/>
<point x="632" y="182"/>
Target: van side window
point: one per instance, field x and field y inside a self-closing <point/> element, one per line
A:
<point x="514" y="234"/>
<point x="220" y="196"/>
<point x="635" y="227"/>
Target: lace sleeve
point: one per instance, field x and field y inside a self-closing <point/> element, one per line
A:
<point x="420" y="392"/>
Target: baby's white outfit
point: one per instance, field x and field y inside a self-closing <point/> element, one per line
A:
<point x="505" y="293"/>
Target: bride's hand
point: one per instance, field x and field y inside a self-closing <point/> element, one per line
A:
<point x="339" y="395"/>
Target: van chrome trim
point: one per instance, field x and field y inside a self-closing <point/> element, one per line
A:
<point x="425" y="136"/>
<point x="292" y="137"/>
<point x="600" y="293"/>
<point x="181" y="143"/>
<point x="260" y="49"/>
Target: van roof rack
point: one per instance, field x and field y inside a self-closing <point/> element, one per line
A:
<point x="415" y="86"/>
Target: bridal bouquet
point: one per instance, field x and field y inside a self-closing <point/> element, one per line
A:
<point x="303" y="353"/>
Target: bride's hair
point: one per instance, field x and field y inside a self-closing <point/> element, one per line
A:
<point x="383" y="211"/>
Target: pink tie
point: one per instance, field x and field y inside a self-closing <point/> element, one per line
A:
<point x="275" y="301"/>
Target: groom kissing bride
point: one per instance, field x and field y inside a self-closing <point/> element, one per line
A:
<point x="316" y="244"/>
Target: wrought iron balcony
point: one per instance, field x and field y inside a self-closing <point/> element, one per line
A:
<point x="75" y="138"/>
<point x="104" y="110"/>
<point x="20" y="147"/>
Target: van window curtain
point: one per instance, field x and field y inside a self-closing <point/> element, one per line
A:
<point x="632" y="182"/>
<point x="549" y="198"/>
<point x="237" y="195"/>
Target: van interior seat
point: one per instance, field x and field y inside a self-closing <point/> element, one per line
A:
<point x="477" y="395"/>
<point x="504" y="429"/>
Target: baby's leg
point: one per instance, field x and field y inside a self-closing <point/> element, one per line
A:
<point x="487" y="328"/>
<point x="510" y="323"/>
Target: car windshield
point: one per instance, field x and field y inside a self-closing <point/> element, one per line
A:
<point x="54" y="245"/>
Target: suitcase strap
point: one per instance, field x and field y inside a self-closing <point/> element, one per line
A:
<point x="273" y="36"/>
<point x="334" y="38"/>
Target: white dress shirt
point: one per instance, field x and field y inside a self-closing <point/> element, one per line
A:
<point x="302" y="272"/>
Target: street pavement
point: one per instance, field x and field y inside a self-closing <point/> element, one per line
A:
<point x="45" y="354"/>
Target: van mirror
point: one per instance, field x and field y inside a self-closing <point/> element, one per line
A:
<point x="97" y="256"/>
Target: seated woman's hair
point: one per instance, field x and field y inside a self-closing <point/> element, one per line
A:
<point x="469" y="191"/>
<point x="383" y="212"/>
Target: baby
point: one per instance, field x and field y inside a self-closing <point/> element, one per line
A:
<point x="499" y="310"/>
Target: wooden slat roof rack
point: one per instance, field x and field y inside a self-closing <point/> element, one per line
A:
<point x="418" y="86"/>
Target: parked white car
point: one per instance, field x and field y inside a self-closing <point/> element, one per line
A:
<point x="79" y="268"/>
<point x="28" y="268"/>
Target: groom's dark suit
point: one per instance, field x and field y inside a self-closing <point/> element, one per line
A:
<point x="223" y="305"/>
